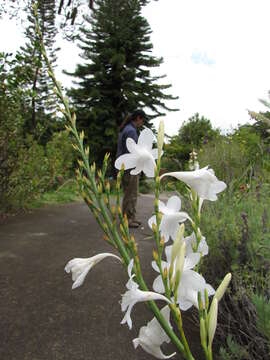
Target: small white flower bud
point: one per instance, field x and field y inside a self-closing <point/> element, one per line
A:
<point x="212" y="325"/>
<point x="160" y="138"/>
<point x="178" y="242"/>
<point x="223" y="287"/>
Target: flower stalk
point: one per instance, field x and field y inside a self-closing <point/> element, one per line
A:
<point x="177" y="273"/>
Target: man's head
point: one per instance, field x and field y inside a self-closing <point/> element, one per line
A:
<point x="138" y="117"/>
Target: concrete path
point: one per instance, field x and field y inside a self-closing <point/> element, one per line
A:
<point x="41" y="318"/>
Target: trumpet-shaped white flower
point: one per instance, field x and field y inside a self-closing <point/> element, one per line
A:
<point x="134" y="295"/>
<point x="79" y="267"/>
<point x="171" y="217"/>
<point x="141" y="155"/>
<point x="190" y="284"/>
<point x="152" y="336"/>
<point x="202" y="181"/>
<point x="191" y="243"/>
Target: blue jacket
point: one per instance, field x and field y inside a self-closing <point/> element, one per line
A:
<point x="129" y="131"/>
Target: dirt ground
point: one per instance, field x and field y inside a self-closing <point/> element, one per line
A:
<point x="41" y="318"/>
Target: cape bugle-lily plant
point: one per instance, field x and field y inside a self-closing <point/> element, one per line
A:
<point x="176" y="253"/>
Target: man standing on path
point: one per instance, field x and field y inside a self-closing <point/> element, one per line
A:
<point x="130" y="183"/>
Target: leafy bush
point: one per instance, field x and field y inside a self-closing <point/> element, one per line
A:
<point x="192" y="135"/>
<point x="61" y="157"/>
<point x="30" y="177"/>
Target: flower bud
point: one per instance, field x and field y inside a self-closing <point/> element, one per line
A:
<point x="162" y="242"/>
<point x="126" y="220"/>
<point x="99" y="188"/>
<point x="200" y="303"/>
<point x="178" y="242"/>
<point x="223" y="286"/>
<point x="106" y="157"/>
<point x="93" y="167"/>
<point x="113" y="209"/>
<point x="73" y="118"/>
<point x="212" y="325"/>
<point x="203" y="332"/>
<point x="122" y="229"/>
<point x="80" y="162"/>
<point x="108" y="186"/>
<point x="206" y="299"/>
<point x="75" y="147"/>
<point x="87" y="151"/>
<point x="181" y="258"/>
<point x="154" y="227"/>
<point x="160" y="138"/>
<point x="165" y="273"/>
<point x="155" y="255"/>
<point x="99" y="173"/>
<point x="68" y="128"/>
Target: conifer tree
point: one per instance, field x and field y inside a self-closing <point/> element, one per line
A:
<point x="41" y="100"/>
<point x="115" y="77"/>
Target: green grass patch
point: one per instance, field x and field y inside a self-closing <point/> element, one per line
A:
<point x="65" y="193"/>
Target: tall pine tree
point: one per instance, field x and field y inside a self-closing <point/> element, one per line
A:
<point x="40" y="116"/>
<point x="115" y="78"/>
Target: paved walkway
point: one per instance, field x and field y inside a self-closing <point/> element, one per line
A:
<point x="40" y="317"/>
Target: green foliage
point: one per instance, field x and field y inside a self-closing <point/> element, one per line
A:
<point x="34" y="170"/>
<point x="146" y="186"/>
<point x="263" y="311"/>
<point x="65" y="193"/>
<point x="60" y="157"/>
<point x="40" y="100"/>
<point x="193" y="134"/>
<point x="115" y="78"/>
<point x="246" y="242"/>
<point x="233" y="350"/>
<point x="30" y="177"/>
<point x="238" y="158"/>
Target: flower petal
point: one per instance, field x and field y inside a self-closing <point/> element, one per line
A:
<point x="80" y="279"/>
<point x="129" y="161"/>
<point x="149" y="167"/>
<point x="146" y="138"/>
<point x="131" y="145"/>
<point x="158" y="285"/>
<point x="152" y="221"/>
<point x="191" y="260"/>
<point x="174" y="203"/>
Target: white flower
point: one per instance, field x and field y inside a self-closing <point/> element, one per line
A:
<point x="171" y="217"/>
<point x="152" y="336"/>
<point x="80" y="267"/>
<point x="191" y="243"/>
<point x="202" y="181"/>
<point x="141" y="156"/>
<point x="134" y="295"/>
<point x="190" y="284"/>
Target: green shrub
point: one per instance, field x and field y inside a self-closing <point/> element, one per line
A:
<point x="30" y="177"/>
<point x="60" y="156"/>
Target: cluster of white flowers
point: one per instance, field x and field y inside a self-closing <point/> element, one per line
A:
<point x="182" y="256"/>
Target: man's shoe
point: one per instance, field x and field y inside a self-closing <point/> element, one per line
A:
<point x="133" y="225"/>
<point x="137" y="221"/>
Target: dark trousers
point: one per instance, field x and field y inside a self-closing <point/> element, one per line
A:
<point x="130" y="187"/>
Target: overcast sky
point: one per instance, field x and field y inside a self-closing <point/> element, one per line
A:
<point x="216" y="56"/>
